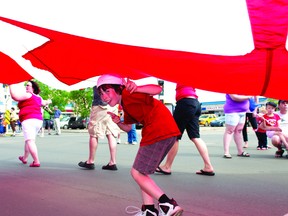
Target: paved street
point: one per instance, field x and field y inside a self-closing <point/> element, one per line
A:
<point x="241" y="186"/>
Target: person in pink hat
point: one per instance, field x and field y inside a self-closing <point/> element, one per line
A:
<point x="159" y="134"/>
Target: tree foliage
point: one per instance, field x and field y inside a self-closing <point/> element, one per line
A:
<point x="81" y="99"/>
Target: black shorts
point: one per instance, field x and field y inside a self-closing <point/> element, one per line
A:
<point x="186" y="115"/>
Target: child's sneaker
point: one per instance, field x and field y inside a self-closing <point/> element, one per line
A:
<point x="170" y="208"/>
<point x="133" y="210"/>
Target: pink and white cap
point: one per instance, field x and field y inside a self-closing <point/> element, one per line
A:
<point x="109" y="79"/>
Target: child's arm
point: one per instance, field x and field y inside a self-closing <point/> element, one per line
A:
<point x="125" y="127"/>
<point x="116" y="119"/>
<point x="264" y="126"/>
<point x="150" y="89"/>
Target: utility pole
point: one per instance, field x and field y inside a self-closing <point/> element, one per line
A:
<point x="161" y="83"/>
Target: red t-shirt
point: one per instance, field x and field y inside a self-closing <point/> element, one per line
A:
<point x="158" y="122"/>
<point x="259" y="121"/>
<point x="272" y="120"/>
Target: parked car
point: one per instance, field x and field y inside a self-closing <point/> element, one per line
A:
<point x="78" y="122"/>
<point x="65" y="114"/>
<point x="205" y="119"/>
<point x="219" y="122"/>
<point x="64" y="122"/>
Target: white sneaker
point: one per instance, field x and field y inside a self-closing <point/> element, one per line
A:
<point x="133" y="210"/>
<point x="170" y="209"/>
<point x="134" y="143"/>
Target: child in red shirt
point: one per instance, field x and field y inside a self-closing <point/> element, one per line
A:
<point x="271" y="123"/>
<point x="159" y="134"/>
<point x="261" y="133"/>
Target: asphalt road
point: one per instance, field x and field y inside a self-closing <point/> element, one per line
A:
<point x="241" y="186"/>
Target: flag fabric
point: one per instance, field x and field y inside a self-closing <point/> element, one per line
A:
<point x="260" y="69"/>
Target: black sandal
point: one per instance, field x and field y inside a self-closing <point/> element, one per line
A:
<point x="279" y="153"/>
<point x="244" y="154"/>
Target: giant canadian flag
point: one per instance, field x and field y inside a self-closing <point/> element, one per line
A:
<point x="227" y="46"/>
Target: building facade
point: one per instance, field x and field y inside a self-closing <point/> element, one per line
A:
<point x="216" y="107"/>
<point x="6" y="101"/>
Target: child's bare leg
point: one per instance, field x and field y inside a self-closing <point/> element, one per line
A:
<point x="286" y="139"/>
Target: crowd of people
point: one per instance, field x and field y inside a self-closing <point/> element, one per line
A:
<point x="267" y="123"/>
<point x="10" y="120"/>
<point x="118" y="104"/>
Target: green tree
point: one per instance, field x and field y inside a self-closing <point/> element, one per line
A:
<point x="82" y="101"/>
<point x="59" y="98"/>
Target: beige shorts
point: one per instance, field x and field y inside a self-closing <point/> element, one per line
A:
<point x="100" y="123"/>
<point x="30" y="128"/>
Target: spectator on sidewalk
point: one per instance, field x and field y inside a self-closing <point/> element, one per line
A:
<point x="261" y="134"/>
<point x="2" y="127"/>
<point x="101" y="125"/>
<point x="29" y="103"/>
<point x="13" y="121"/>
<point x="132" y="138"/>
<point x="276" y="125"/>
<point x="250" y="118"/>
<point x="47" y="112"/>
<point x="57" y="114"/>
<point x="235" y="109"/>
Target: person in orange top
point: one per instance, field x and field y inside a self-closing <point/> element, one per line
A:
<point x="159" y="134"/>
